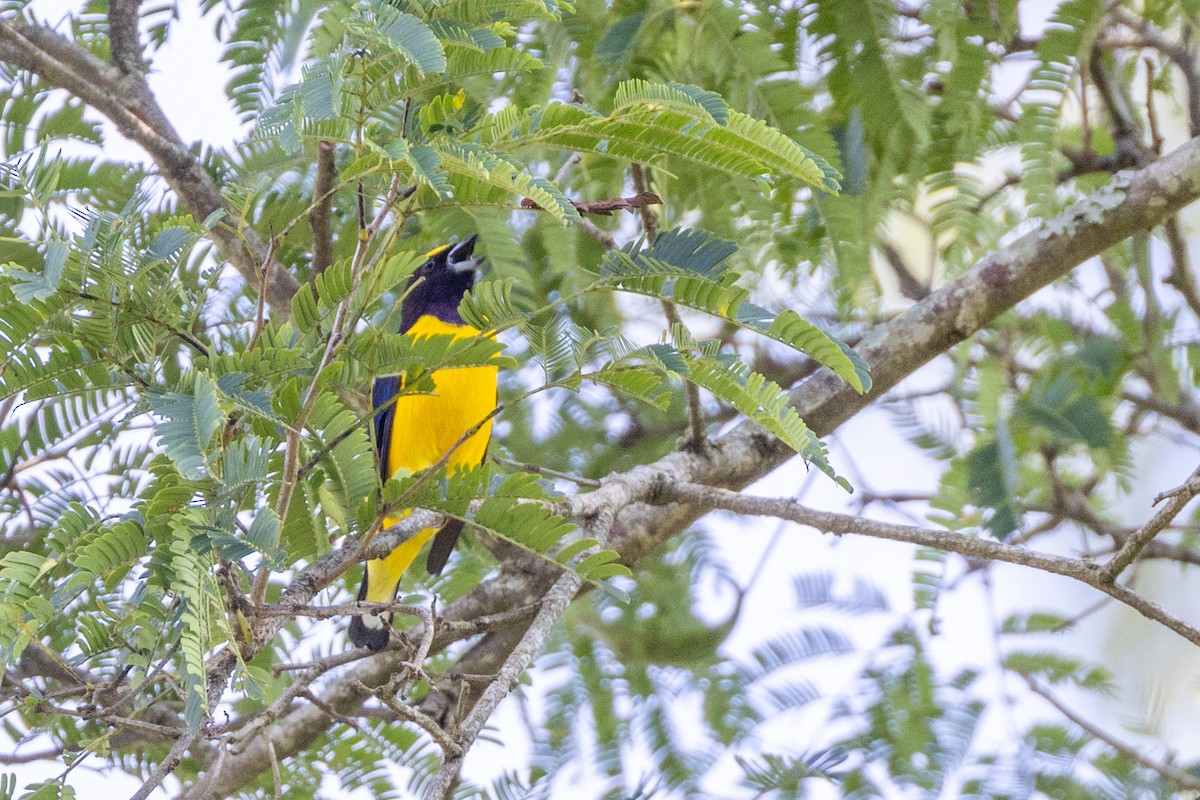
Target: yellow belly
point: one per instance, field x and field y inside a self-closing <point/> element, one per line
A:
<point x="424" y="428"/>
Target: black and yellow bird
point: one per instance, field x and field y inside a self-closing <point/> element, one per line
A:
<point x="414" y="431"/>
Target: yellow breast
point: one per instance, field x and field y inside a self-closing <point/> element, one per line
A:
<point x="425" y="426"/>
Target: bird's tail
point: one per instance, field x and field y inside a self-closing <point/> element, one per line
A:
<point x="381" y="579"/>
<point x="369" y="630"/>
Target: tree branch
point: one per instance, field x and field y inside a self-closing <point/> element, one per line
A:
<point x="1176" y="500"/>
<point x="698" y="434"/>
<point x="321" y="216"/>
<point x="165" y="767"/>
<point x="124" y="43"/>
<point x="127" y="101"/>
<point x="553" y="605"/>
<point x="29" y="758"/>
<point x="1082" y="570"/>
<point x="1184" y="780"/>
<point x="1136" y="203"/>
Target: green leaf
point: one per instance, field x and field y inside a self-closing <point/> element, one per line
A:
<point x="189" y="422"/>
<point x="21" y="571"/>
<point x="685" y="269"/>
<point x="303" y="534"/>
<point x="641" y="384"/>
<point x="500" y="10"/>
<point x="574" y="549"/>
<point x="1069" y="34"/>
<point x="244" y="464"/>
<point x="490" y="305"/>
<point x="676" y="123"/>
<point x="992" y="479"/>
<point x="167" y="244"/>
<point x="619" y="41"/>
<point x="195" y="585"/>
<point x="1057" y="668"/>
<point x="791" y="329"/>
<point x="264" y="537"/>
<point x="410" y="37"/>
<point x="30" y="286"/>
<point x="764" y="403"/>
<point x="687" y="250"/>
<point x="1035" y="622"/>
<point x="409" y="354"/>
<point x="495" y="168"/>
<point x="426" y="165"/>
<point x="343" y="449"/>
<point x="684" y="97"/>
<point x="112" y="552"/>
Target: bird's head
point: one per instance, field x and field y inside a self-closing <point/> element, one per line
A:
<point x="438" y="285"/>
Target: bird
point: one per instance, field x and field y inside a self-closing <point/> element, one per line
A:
<point x="414" y="431"/>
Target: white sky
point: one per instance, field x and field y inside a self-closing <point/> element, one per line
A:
<point x="1164" y="694"/>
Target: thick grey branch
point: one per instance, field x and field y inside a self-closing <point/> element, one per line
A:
<point x="894" y="350"/>
<point x="897" y="348"/>
<point x="126" y="99"/>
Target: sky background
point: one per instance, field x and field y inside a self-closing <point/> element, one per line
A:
<point x="1156" y="671"/>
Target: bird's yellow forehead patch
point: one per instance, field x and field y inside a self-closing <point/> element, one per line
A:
<point x="439" y="249"/>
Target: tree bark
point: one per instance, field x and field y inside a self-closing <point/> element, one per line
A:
<point x="1134" y="203"/>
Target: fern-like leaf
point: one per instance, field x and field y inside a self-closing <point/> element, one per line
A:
<point x="192" y="565"/>
<point x="493" y="167"/>
<point x="660" y="120"/>
<point x="189" y="422"/>
<point x="764" y="403"/>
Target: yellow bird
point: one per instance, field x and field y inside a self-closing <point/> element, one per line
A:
<point x="414" y="431"/>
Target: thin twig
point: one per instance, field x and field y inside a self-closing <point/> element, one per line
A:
<point x="1180" y="276"/>
<point x="260" y="310"/>
<point x="1184" y="780"/>
<point x="28" y="758"/>
<point x="1176" y="500"/>
<point x="323" y="664"/>
<point x="544" y="471"/>
<point x="552" y="607"/>
<point x="428" y="628"/>
<point x="179" y="333"/>
<point x="605" y="208"/>
<point x="165" y="767"/>
<point x="567" y="166"/>
<point x="276" y="772"/>
<point x="1083" y="571"/>
<point x="698" y="434"/>
<point x="450" y="748"/>
<point x="1183" y="57"/>
<point x="596" y="232"/>
<point x="333" y="713"/>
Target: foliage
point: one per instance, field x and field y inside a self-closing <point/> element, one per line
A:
<point x="173" y="453"/>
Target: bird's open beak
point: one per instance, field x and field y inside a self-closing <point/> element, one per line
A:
<point x="462" y="255"/>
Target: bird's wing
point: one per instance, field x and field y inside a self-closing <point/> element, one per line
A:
<point x="383" y="393"/>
